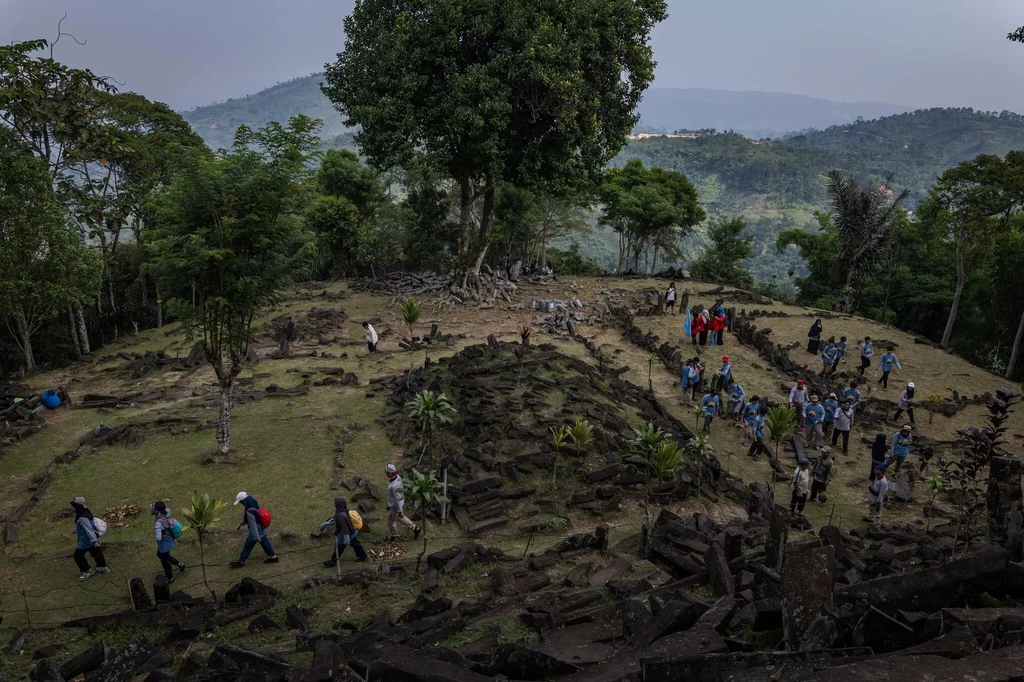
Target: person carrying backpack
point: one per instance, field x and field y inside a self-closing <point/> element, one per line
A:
<point x="257" y="532"/>
<point x="88" y="541"/>
<point x="346" y="531"/>
<point x="167" y="530"/>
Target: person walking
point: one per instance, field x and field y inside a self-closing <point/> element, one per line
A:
<point x="757" y="445"/>
<point x="906" y="404"/>
<point x="256" y="533"/>
<point x="801" y="486"/>
<point x="828" y="358"/>
<point x="736" y="395"/>
<point x="879" y="455"/>
<point x="824" y="470"/>
<point x="840" y="353"/>
<point x="876" y="496"/>
<point x="750" y="413"/>
<point x="670" y="299"/>
<point x="167" y="530"/>
<point x="396" y="505"/>
<point x="886" y="363"/>
<point x="702" y="327"/>
<point x="684" y="377"/>
<point x="798" y="397"/>
<point x="711" y="405"/>
<point x="844" y="422"/>
<point x="901" y="442"/>
<point x="345" y="531"/>
<point x="371" y="337"/>
<point x="852" y="395"/>
<point x="867" y="350"/>
<point x="814" y="415"/>
<point x="828" y="423"/>
<point x="814" y="337"/>
<point x="88" y="541"/>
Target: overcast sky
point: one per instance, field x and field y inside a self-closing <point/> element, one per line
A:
<point x="911" y="52"/>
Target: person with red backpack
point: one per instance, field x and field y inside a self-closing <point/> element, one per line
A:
<point x="256" y="520"/>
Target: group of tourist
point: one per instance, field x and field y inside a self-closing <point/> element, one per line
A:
<point x="255" y="521"/>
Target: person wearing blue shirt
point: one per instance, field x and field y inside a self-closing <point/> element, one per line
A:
<point x="851" y="396"/>
<point x="866" y="351"/>
<point x="757" y="429"/>
<point x="830" y="405"/>
<point x="887" y="362"/>
<point x="813" y="416"/>
<point x="840" y="352"/>
<point x="736" y="396"/>
<point x="750" y="412"/>
<point x="828" y="358"/>
<point x="684" y="377"/>
<point x="710" y="404"/>
<point x="901" y="442"/>
<point x="724" y="374"/>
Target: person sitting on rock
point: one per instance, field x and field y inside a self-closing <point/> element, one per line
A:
<point x="346" y="533"/>
<point x="736" y="395"/>
<point x="255" y="533"/>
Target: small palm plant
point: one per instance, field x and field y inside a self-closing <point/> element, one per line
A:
<point x="429" y="409"/>
<point x="650" y="368"/>
<point x="581" y="433"/>
<point x="700" y="448"/>
<point x="698" y="414"/>
<point x="558" y="438"/>
<point x="780" y="422"/>
<point x="202" y="514"/>
<point x="423" y="490"/>
<point x="646" y="442"/>
<point x="410" y="311"/>
<point x="936" y="484"/>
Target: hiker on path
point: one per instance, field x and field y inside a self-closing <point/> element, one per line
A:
<point x="88" y="541"/>
<point x="829" y="358"/>
<point x="852" y="395"/>
<point x="396" y="504"/>
<point x="906" y="404"/>
<point x="814" y="337"/>
<point x="801" y="485"/>
<point x="824" y="470"/>
<point x="886" y="364"/>
<point x="757" y="445"/>
<point x="670" y="299"/>
<point x="901" y="442"/>
<point x="867" y="350"/>
<point x="255" y="533"/>
<point x="844" y="422"/>
<point x="711" y="405"/>
<point x="345" y="531"/>
<point x="165" y="528"/>
<point x="798" y="397"/>
<point x="371" y="337"/>
<point x="840" y="353"/>
<point x="750" y="413"/>
<point x="814" y="415"/>
<point x="879" y="455"/>
<point x="876" y="496"/>
<point x="736" y="395"/>
<point x="829" y="422"/>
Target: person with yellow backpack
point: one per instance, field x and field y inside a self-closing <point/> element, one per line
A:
<point x="347" y="524"/>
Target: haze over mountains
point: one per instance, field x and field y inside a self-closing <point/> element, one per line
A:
<point x="754" y="114"/>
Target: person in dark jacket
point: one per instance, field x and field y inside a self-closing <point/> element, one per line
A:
<point x="88" y="541"/>
<point x="346" y="533"/>
<point x="164" y="539"/>
<point x="814" y="337"/>
<point x="256" y="533"/>
<point x="879" y="454"/>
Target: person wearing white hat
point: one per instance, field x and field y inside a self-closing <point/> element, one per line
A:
<point x="906" y="404"/>
<point x="396" y="504"/>
<point x="257" y="532"/>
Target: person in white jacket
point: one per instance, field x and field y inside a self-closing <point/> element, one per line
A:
<point x="396" y="504"/>
<point x="801" y="485"/>
<point x="371" y="337"/>
<point x="798" y="397"/>
<point x="876" y="496"/>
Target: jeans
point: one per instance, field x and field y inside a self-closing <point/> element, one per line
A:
<point x="814" y="435"/>
<point x="166" y="561"/>
<point x="97" y="555"/>
<point x="707" y="424"/>
<point x="846" y="440"/>
<point x="713" y="341"/>
<point x="884" y="380"/>
<point x="250" y="542"/>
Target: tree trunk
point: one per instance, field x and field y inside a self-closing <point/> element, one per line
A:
<point x="83" y="331"/>
<point x="224" y="425"/>
<point x="1016" y="347"/>
<point x="483" y="239"/>
<point x="544" y="246"/>
<point x="25" y="343"/>
<point x="961" y="278"/>
<point x="73" y="328"/>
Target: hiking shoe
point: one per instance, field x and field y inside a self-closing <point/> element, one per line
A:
<point x="86" y="575"/>
<point x="237" y="564"/>
<point x="103" y="569"/>
<point x="271" y="560"/>
<point x="416" y="532"/>
<point x="170" y="580"/>
<point x="330" y="563"/>
<point x="182" y="566"/>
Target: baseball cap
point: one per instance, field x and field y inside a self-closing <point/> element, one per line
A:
<point x="80" y="501"/>
<point x="390" y="469"/>
<point x="814" y="398"/>
<point x="803" y="461"/>
<point x="906" y="427"/>
<point x="831" y="395"/>
<point x="910" y="385"/>
<point x="241" y="496"/>
<point x="799" y="382"/>
<point x="725" y="358"/>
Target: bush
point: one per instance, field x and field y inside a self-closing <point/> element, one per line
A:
<point x="570" y="262"/>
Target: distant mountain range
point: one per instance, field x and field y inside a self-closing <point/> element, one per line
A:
<point x="755" y="114"/>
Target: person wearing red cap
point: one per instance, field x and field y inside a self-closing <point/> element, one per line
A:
<point x="798" y="397"/>
<point x="724" y="374"/>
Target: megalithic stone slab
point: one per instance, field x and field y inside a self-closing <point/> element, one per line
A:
<point x="808" y="579"/>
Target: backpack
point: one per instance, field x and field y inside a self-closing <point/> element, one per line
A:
<point x="175" y="530"/>
<point x="100" y="526"/>
<point x="265" y="517"/>
<point x="356" y="519"/>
